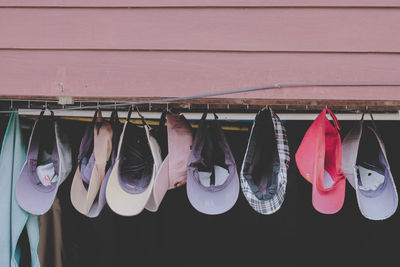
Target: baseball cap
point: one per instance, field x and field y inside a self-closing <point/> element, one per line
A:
<point x="367" y="169"/>
<point x="132" y="178"/>
<point x="48" y="164"/>
<point x="173" y="170"/>
<point x="264" y="171"/>
<point x="93" y="161"/>
<point x="319" y="160"/>
<point x="212" y="180"/>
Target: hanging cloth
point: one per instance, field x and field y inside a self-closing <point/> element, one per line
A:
<point x="13" y="219"/>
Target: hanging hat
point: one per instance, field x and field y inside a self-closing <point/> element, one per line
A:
<point x="93" y="162"/>
<point x="132" y="178"/>
<point x="319" y="160"/>
<point x="173" y="170"/>
<point x="48" y="164"/>
<point x="367" y="169"/>
<point x="212" y="181"/>
<point x="264" y="171"/>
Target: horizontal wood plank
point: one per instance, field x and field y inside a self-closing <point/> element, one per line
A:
<point x="305" y="29"/>
<point x="99" y="74"/>
<point x="199" y="3"/>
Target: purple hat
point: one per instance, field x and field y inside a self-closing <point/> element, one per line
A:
<point x="96" y="158"/>
<point x="212" y="182"/>
<point x="367" y="170"/>
<point x="48" y="164"/>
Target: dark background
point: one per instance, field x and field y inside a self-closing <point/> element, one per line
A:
<point x="178" y="235"/>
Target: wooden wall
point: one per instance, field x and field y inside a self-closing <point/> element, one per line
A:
<point x="167" y="48"/>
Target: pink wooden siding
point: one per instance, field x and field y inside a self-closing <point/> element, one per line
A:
<point x="200" y="3"/>
<point x="177" y="48"/>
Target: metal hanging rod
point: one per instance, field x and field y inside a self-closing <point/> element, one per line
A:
<point x="395" y="116"/>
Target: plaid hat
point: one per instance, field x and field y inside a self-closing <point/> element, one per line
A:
<point x="212" y="183"/>
<point x="263" y="176"/>
<point x="367" y="169"/>
<point x="48" y="164"/>
<point x="131" y="181"/>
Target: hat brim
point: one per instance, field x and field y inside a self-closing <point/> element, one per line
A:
<point x="124" y="203"/>
<point x="381" y="206"/>
<point x="331" y="201"/>
<point x="84" y="200"/>
<point x="30" y="198"/>
<point x="212" y="203"/>
<point x="161" y="185"/>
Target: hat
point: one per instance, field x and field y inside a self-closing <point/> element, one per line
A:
<point x="367" y="169"/>
<point x="160" y="134"/>
<point x="319" y="160"/>
<point x="48" y="164"/>
<point x="212" y="181"/>
<point x="173" y="170"/>
<point x="132" y="178"/>
<point x="93" y="161"/>
<point x="264" y="171"/>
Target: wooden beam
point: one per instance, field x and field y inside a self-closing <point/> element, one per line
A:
<point x="198" y="3"/>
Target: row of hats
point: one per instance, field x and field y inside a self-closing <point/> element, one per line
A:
<point x="326" y="162"/>
<point x="132" y="167"/>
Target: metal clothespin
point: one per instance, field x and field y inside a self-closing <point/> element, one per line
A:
<point x="149" y="106"/>
<point x="208" y="106"/>
<point x="11" y="104"/>
<point x="227" y="106"/>
<point x="80" y="105"/>
<point x="29" y="103"/>
<point x="115" y="105"/>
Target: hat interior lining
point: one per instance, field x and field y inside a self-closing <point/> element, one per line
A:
<point x="371" y="164"/>
<point x="262" y="164"/>
<point x="212" y="161"/>
<point x="46" y="147"/>
<point x="136" y="160"/>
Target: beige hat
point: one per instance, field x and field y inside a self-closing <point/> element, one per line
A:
<point x="132" y="178"/>
<point x="173" y="170"/>
<point x="94" y="152"/>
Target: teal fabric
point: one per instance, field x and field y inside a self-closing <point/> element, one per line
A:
<point x="12" y="217"/>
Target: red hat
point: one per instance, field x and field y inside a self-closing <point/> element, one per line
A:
<point x="319" y="160"/>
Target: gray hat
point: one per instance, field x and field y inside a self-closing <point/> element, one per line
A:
<point x="48" y="164"/>
<point x="212" y="183"/>
<point x="367" y="169"/>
